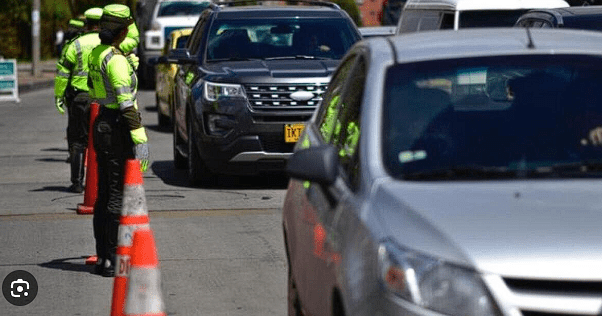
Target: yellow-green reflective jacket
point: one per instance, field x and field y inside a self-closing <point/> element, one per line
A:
<point x="131" y="40"/>
<point x="72" y="67"/>
<point x="113" y="80"/>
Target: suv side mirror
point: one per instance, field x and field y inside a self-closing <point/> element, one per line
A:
<point x="318" y="164"/>
<point x="180" y="56"/>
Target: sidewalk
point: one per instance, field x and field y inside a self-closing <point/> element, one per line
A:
<point x="27" y="82"/>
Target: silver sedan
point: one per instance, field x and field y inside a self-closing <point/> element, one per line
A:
<point x="452" y="173"/>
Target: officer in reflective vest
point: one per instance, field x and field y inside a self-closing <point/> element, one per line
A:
<point x="118" y="131"/>
<point x="71" y="90"/>
<point x="76" y="27"/>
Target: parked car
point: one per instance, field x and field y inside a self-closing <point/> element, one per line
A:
<point x="166" y="72"/>
<point x="168" y="15"/>
<point x="249" y="79"/>
<point x="584" y="18"/>
<point x="371" y="31"/>
<point x="429" y="15"/>
<point x="452" y="173"/>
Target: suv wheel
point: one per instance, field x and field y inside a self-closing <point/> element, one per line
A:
<point x="198" y="174"/>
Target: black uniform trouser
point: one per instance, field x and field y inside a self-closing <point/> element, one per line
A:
<point x="113" y="145"/>
<point x="78" y="109"/>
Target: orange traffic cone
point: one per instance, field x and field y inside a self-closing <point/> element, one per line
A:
<point x="144" y="284"/>
<point x="134" y="216"/>
<point x="91" y="191"/>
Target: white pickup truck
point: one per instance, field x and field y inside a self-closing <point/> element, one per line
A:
<point x="167" y="16"/>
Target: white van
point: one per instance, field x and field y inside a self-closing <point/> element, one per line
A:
<point x="426" y="15"/>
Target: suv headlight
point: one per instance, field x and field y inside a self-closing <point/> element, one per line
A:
<point x="213" y="91"/>
<point x="433" y="284"/>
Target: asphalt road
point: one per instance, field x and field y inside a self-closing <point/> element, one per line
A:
<point x="220" y="249"/>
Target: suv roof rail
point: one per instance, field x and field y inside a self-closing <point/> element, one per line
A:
<point x="288" y="2"/>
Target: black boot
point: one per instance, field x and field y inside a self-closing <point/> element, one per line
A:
<point x="77" y="171"/>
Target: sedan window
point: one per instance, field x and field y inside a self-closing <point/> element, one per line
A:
<point x="514" y="115"/>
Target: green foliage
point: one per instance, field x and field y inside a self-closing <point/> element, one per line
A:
<point x="16" y="24"/>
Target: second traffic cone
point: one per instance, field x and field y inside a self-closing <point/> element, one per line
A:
<point x="134" y="216"/>
<point x="91" y="190"/>
<point x="144" y="296"/>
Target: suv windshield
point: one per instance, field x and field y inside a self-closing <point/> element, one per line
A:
<point x="174" y="8"/>
<point x="498" y="116"/>
<point x="489" y="18"/>
<point x="240" y="39"/>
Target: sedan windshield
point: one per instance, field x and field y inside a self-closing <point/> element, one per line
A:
<point x="494" y="117"/>
<point x="279" y="39"/>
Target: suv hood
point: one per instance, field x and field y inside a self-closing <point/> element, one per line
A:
<point x="301" y="68"/>
<point x="529" y="228"/>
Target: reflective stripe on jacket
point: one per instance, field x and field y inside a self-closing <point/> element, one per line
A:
<point x="114" y="82"/>
<point x="72" y="67"/>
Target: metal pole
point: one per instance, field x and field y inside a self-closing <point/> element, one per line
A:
<point x="35" y="38"/>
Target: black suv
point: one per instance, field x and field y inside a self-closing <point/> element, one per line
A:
<point x="250" y="77"/>
<point x="583" y="18"/>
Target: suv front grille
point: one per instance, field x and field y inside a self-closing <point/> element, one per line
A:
<point x="279" y="97"/>
<point x="555" y="297"/>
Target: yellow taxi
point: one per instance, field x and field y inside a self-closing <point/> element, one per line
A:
<point x="165" y="73"/>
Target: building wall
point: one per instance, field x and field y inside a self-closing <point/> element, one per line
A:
<point x="371" y="11"/>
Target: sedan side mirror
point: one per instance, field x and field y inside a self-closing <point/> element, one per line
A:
<point x="318" y="164"/>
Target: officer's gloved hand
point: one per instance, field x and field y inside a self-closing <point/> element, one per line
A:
<point x="133" y="60"/>
<point x="141" y="153"/>
<point x="60" y="104"/>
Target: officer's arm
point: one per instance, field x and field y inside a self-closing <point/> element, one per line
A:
<point x="131" y="40"/>
<point x="121" y="81"/>
<point x="64" y="68"/>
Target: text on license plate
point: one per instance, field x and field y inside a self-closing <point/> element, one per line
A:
<point x="292" y="132"/>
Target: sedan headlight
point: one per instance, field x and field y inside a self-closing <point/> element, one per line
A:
<point x="433" y="284"/>
<point x="214" y="91"/>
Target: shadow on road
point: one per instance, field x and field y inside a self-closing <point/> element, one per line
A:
<point x="167" y="172"/>
<point x="76" y="264"/>
<point x="160" y="129"/>
<point x="51" y="160"/>
<point x="53" y="188"/>
<point x="55" y="149"/>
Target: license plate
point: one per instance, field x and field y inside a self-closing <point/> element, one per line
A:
<point x="292" y="132"/>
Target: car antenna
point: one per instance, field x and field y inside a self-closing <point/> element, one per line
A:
<point x="531" y="44"/>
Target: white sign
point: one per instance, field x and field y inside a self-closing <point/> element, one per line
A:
<point x="9" y="86"/>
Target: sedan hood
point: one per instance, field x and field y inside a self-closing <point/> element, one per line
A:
<point x="273" y="68"/>
<point x="534" y="229"/>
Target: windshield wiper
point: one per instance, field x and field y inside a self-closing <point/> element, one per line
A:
<point x="463" y="172"/>
<point x="297" y="57"/>
<point x="232" y="59"/>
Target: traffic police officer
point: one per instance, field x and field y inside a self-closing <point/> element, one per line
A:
<point x="118" y="131"/>
<point x="76" y="27"/>
<point x="71" y="89"/>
